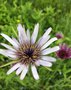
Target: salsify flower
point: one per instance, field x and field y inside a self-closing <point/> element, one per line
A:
<point x="28" y="52"/>
<point x="64" y="52"/>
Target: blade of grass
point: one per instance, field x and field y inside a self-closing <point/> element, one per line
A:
<point x="14" y="32"/>
<point x="8" y="64"/>
<point x="48" y="68"/>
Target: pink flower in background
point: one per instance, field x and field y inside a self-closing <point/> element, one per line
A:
<point x="64" y="52"/>
<point x="59" y="35"/>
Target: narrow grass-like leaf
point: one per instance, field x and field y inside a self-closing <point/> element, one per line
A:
<point x="48" y="68"/>
<point x="14" y="32"/>
<point x="4" y="65"/>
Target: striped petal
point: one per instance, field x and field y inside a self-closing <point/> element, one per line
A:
<point x="22" y="34"/>
<point x="8" y="53"/>
<point x="10" y="40"/>
<point x="45" y="37"/>
<point x="24" y="72"/>
<point x="35" y="34"/>
<point x="50" y="50"/>
<point x="15" y="40"/>
<point x="45" y="63"/>
<point x="20" y="69"/>
<point x="8" y="47"/>
<point x="13" y="68"/>
<point x="28" y="35"/>
<point x="43" y="40"/>
<point x="48" y="58"/>
<point x="37" y="63"/>
<point x="48" y="43"/>
<point x="47" y="32"/>
<point x="34" y="72"/>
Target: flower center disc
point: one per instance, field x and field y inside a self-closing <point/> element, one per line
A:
<point x="28" y="53"/>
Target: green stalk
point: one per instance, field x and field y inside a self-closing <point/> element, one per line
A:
<point x="8" y="64"/>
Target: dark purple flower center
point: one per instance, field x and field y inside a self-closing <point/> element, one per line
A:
<point x="63" y="54"/>
<point x="29" y="52"/>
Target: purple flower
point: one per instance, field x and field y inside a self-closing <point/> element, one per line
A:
<point x="64" y="52"/>
<point x="59" y="35"/>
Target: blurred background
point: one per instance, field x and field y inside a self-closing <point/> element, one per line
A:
<point x="48" y="13"/>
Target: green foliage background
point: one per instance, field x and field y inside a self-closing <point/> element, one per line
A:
<point x="54" y="13"/>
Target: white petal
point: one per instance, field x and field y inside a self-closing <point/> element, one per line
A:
<point x="22" y="34"/>
<point x="45" y="63"/>
<point x="13" y="68"/>
<point x="47" y="32"/>
<point x="45" y="37"/>
<point x="46" y="50"/>
<point x="43" y="40"/>
<point x="28" y="34"/>
<point x="8" y="53"/>
<point x="34" y="72"/>
<point x="15" y="40"/>
<point x="37" y="63"/>
<point x="19" y="70"/>
<point x="8" y="47"/>
<point x="24" y="72"/>
<point x="35" y="34"/>
<point x="48" y="43"/>
<point x="10" y="40"/>
<point x="50" y="50"/>
<point x="48" y="58"/>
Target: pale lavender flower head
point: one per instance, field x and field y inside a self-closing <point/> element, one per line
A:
<point x="59" y="35"/>
<point x="29" y="52"/>
<point x="64" y="52"/>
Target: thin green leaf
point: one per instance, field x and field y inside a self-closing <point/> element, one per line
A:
<point x="48" y="68"/>
<point x="8" y="64"/>
<point x="14" y="32"/>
